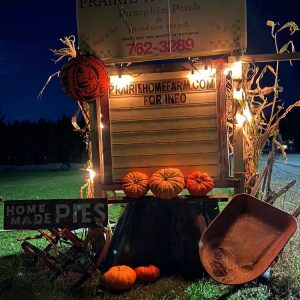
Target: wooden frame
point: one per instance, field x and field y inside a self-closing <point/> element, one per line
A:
<point x="106" y="183"/>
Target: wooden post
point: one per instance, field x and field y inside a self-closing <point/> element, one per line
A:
<point x="238" y="161"/>
<point x="95" y="136"/>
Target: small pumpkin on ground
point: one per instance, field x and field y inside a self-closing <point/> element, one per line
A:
<point x="167" y="183"/>
<point x="199" y="183"/>
<point x="147" y="273"/>
<point x="135" y="184"/>
<point x="119" y="278"/>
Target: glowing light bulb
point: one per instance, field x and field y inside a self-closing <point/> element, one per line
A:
<point x="237" y="72"/>
<point x="193" y="76"/>
<point x="120" y="81"/>
<point x="91" y="173"/>
<point x="226" y="71"/>
<point x="206" y="73"/>
<point x="247" y="114"/>
<point x="238" y="94"/>
<point x="240" y="119"/>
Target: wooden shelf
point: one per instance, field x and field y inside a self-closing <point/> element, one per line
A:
<point x="179" y="199"/>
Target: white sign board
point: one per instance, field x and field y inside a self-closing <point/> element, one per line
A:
<point x="139" y="30"/>
<point x="161" y="120"/>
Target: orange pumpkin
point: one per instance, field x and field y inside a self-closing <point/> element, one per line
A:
<point x="135" y="184"/>
<point x="84" y="78"/>
<point x="119" y="278"/>
<point x="147" y="273"/>
<point x="166" y="183"/>
<point x="199" y="184"/>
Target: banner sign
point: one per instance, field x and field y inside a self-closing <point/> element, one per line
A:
<point x="139" y="30"/>
<point x="163" y="92"/>
<point x="39" y="214"/>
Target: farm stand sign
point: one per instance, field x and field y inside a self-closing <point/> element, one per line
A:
<point x="139" y="30"/>
<point x="163" y="92"/>
<point x="167" y="119"/>
<point x="38" y="214"/>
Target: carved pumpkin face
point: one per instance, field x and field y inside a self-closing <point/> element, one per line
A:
<point x="135" y="184"/>
<point x="119" y="278"/>
<point x="84" y="78"/>
<point x="199" y="184"/>
<point x="147" y="273"/>
<point x="166" y="183"/>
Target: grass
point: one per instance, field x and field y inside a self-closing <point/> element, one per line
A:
<point x="40" y="184"/>
<point x="19" y="279"/>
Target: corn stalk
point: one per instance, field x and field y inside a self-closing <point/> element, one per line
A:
<point x="265" y="106"/>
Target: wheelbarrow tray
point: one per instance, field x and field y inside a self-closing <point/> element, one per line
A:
<point x="244" y="239"/>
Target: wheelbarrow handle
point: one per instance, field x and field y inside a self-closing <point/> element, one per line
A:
<point x="296" y="213"/>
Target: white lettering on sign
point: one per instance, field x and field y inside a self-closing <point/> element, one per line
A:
<point x="99" y="210"/>
<point x="25" y="215"/>
<point x="35" y="219"/>
<point x="22" y="209"/>
<point x="62" y="211"/>
<point x="86" y="214"/>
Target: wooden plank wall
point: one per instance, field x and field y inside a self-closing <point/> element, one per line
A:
<point x="149" y="137"/>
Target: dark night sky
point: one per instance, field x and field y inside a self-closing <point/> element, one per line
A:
<point x="30" y="28"/>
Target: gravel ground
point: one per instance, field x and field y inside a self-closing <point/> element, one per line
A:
<point x="283" y="173"/>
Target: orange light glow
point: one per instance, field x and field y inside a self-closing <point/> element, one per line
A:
<point x="237" y="73"/>
<point x="238" y="94"/>
<point x="91" y="173"/>
<point x="120" y="81"/>
<point x="240" y="119"/>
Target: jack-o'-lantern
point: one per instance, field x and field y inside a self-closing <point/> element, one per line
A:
<point x="84" y="78"/>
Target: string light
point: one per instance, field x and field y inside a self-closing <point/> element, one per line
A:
<point x="240" y="119"/>
<point x="227" y="71"/>
<point x="247" y="114"/>
<point x="193" y="76"/>
<point x="204" y="73"/>
<point x="120" y="80"/>
<point x="238" y="94"/>
<point x="236" y="70"/>
<point x="91" y="173"/>
<point x="101" y="124"/>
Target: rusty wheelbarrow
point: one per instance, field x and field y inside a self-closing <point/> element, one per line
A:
<point x="244" y="239"/>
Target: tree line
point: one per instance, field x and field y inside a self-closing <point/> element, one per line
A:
<point x="41" y="142"/>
